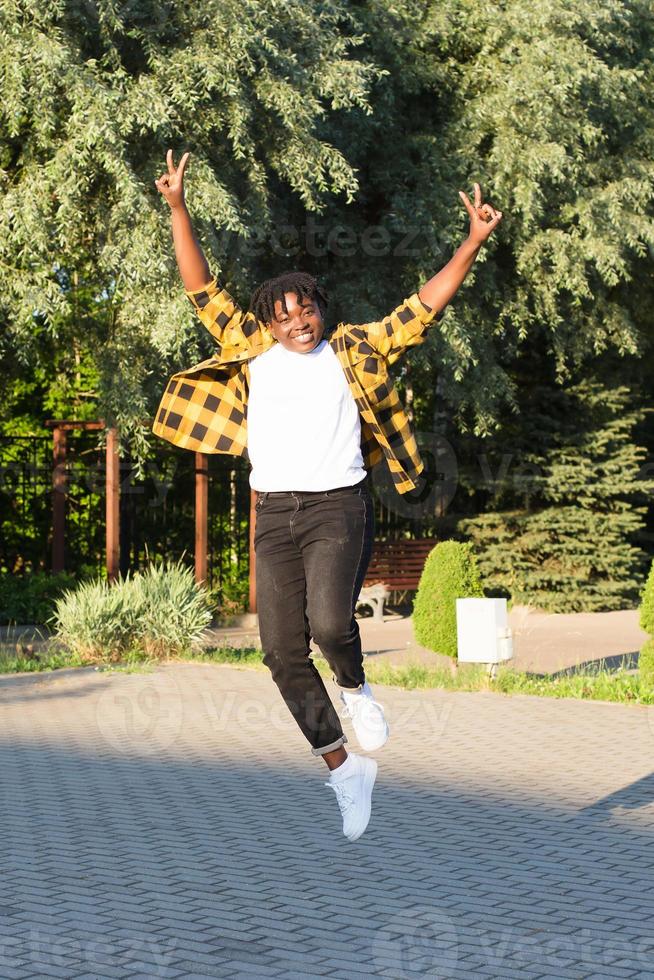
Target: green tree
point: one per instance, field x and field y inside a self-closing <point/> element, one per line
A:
<point x="370" y="115"/>
<point x="93" y="94"/>
<point x="549" y="106"/>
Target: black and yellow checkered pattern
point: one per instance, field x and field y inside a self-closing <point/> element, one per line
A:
<point x="204" y="408"/>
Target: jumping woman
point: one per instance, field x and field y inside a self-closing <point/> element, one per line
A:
<point x="314" y="408"/>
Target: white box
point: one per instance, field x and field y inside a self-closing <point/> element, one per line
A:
<point x="483" y="636"/>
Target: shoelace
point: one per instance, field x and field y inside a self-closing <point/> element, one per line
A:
<point x="344" y="799"/>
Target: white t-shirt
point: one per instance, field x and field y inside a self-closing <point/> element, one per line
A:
<point x="304" y="430"/>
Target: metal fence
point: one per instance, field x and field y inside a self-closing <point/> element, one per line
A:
<point x="157" y="513"/>
<point x="25" y="502"/>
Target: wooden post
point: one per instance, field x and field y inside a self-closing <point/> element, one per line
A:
<point x="126" y="514"/>
<point x="59" y="481"/>
<point x="112" y="504"/>
<point x="201" y="515"/>
<point x="252" y="607"/>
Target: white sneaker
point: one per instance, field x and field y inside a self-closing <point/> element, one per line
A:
<point x="353" y="790"/>
<point x="370" y="725"/>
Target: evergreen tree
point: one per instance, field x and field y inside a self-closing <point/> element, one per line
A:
<point x="564" y="534"/>
<point x="548" y="107"/>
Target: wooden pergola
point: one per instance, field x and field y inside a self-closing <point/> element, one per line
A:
<point x="60" y="427"/>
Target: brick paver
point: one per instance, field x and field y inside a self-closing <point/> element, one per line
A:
<point x="174" y="824"/>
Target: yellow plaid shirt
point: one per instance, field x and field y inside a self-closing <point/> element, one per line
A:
<point x="205" y="407"/>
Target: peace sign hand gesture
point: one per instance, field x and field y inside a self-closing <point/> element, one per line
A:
<point x="171" y="184"/>
<point x="483" y="217"/>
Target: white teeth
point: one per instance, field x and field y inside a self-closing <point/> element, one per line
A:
<point x="303" y="337"/>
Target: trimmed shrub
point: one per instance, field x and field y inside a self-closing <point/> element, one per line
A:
<point x="450" y="573"/>
<point x="647" y="604"/>
<point x="159" y="612"/>
<point x="646" y="663"/>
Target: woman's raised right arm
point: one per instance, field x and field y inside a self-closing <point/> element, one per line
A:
<point x="218" y="312"/>
<point x="193" y="267"/>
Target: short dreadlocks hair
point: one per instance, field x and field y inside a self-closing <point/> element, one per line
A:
<point x="302" y="284"/>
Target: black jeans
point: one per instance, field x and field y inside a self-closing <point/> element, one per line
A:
<point x="312" y="551"/>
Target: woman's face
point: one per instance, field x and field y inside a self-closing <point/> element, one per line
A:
<point x="301" y="328"/>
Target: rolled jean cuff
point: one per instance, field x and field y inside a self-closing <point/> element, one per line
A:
<point x="331" y="747"/>
<point x="351" y="690"/>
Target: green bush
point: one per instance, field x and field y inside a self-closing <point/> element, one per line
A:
<point x="159" y="612"/>
<point x="647" y="604"/>
<point x="646" y="663"/>
<point x="31" y="597"/>
<point x="450" y="573"/>
<point x="232" y="596"/>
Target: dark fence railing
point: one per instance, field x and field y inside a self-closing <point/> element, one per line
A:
<point x="25" y="502"/>
<point x="157" y="512"/>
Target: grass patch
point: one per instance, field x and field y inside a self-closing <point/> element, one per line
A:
<point x="58" y="659"/>
<point x="232" y="656"/>
<point x="412" y="677"/>
<point x="599" y="685"/>
<point x="14" y="663"/>
<point x="250" y="657"/>
<point x="602" y="685"/>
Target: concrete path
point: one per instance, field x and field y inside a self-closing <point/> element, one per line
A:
<point x="542" y="642"/>
<point x="174" y="824"/>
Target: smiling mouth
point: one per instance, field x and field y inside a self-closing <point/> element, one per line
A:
<point x="304" y="337"/>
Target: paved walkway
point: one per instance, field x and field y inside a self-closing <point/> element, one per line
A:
<point x="174" y="824"/>
<point x="542" y="642"/>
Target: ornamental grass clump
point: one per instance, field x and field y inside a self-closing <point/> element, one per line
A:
<point x="176" y="610"/>
<point x="157" y="613"/>
<point x="450" y="573"/>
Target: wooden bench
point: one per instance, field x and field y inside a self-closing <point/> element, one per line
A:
<point x="397" y="565"/>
